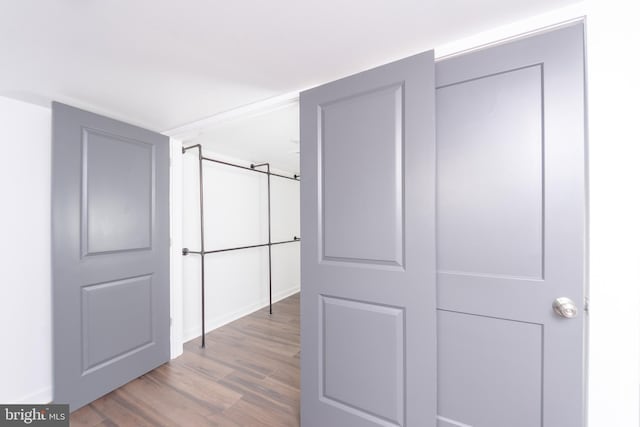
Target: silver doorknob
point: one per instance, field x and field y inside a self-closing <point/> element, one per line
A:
<point x="564" y="307"/>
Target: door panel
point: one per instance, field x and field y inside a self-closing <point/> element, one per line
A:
<point x="368" y="253"/>
<point x="349" y="211"/>
<point x="346" y="330"/>
<point x="117" y="208"/>
<point x="492" y="371"/>
<point x="102" y="326"/>
<point x="490" y="185"/>
<point x="110" y="253"/>
<point x="511" y="233"/>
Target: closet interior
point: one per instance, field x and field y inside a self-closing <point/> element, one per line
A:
<point x="236" y="213"/>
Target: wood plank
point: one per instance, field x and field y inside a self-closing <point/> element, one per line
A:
<point x="248" y="375"/>
<point x="120" y="413"/>
<point x="87" y="416"/>
<point x="252" y="415"/>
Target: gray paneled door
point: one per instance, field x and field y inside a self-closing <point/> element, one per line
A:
<point x="368" y="254"/>
<point x="110" y="202"/>
<point x="511" y="233"/>
<point x="510" y="203"/>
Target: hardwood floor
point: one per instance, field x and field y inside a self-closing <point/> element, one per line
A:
<point x="248" y="375"/>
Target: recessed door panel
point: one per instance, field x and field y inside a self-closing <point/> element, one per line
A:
<point x="117" y="207"/>
<point x="477" y="354"/>
<point x="362" y="346"/>
<point x="110" y="308"/>
<point x="349" y="211"/>
<point x="490" y="175"/>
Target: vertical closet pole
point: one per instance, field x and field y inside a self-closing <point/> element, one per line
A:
<point x="269" y="220"/>
<point x="202" y="253"/>
<point x="201" y="242"/>
<point x="253" y="166"/>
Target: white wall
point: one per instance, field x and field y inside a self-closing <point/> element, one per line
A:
<point x="236" y="215"/>
<point x="613" y="38"/>
<point x="25" y="253"/>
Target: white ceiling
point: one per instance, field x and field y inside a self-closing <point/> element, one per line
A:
<point x="165" y="63"/>
<point x="270" y="137"/>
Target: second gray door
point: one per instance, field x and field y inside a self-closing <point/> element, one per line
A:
<point x="110" y="254"/>
<point x="511" y="233"/>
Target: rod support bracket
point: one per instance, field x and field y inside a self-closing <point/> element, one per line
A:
<point x="185" y="251"/>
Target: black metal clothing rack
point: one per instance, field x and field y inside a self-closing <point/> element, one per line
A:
<point x="202" y="252"/>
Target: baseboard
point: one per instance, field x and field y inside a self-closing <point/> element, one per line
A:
<point x="285" y="294"/>
<point x="42" y="396"/>
<point x="176" y="349"/>
<point x="222" y="320"/>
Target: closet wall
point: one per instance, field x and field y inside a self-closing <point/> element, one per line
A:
<point x="25" y="252"/>
<point x="235" y="203"/>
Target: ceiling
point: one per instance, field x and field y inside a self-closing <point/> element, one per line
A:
<point x="271" y="137"/>
<point x="161" y="64"/>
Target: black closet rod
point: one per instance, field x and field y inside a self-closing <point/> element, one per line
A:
<point x="202" y="252"/>
<point x="186" y="251"/>
<point x="249" y="168"/>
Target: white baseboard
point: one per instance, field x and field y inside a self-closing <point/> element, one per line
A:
<point x="42" y="396"/>
<point x="176" y="348"/>
<point x="223" y="319"/>
<point x="285" y="294"/>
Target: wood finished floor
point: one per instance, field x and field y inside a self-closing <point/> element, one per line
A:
<point x="248" y="375"/>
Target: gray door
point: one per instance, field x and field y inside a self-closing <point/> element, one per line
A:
<point x="110" y="246"/>
<point x="511" y="233"/>
<point x="368" y="248"/>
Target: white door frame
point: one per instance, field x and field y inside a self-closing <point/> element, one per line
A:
<point x="175" y="245"/>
